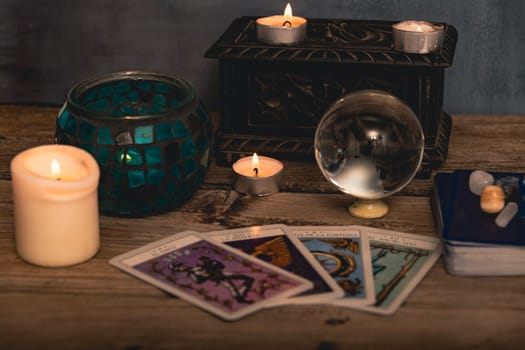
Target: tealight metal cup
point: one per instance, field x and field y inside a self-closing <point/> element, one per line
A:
<point x="272" y="30"/>
<point x="421" y="42"/>
<point x="258" y="186"/>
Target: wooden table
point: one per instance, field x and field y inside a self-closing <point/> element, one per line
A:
<point x="95" y="306"/>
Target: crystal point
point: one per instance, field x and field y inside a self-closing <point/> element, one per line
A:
<point x="506" y="215"/>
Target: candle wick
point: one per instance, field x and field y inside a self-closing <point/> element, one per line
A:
<point x="287" y="24"/>
<point x="256" y="171"/>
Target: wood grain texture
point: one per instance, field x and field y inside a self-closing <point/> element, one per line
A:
<point x="95" y="306"/>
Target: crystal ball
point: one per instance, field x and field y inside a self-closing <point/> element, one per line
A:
<point x="369" y="144"/>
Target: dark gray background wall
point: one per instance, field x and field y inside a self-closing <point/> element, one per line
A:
<point x="46" y="46"/>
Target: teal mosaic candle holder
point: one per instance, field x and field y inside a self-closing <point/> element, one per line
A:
<point x="149" y="133"/>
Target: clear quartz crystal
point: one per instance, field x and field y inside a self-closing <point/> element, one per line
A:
<point x="506" y="215"/>
<point x="478" y="180"/>
<point x="511" y="187"/>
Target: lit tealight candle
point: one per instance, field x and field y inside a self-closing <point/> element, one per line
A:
<point x="257" y="175"/>
<point x="417" y="36"/>
<point x="55" y="204"/>
<point x="281" y="30"/>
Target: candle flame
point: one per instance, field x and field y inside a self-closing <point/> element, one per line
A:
<point x="55" y="169"/>
<point x="288" y="12"/>
<point x="255" y="161"/>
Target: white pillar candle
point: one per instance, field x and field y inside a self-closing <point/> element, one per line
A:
<point x="55" y="204"/>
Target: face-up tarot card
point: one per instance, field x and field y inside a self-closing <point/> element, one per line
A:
<point x="211" y="275"/>
<point x="344" y="253"/>
<point x="275" y="245"/>
<point x="399" y="261"/>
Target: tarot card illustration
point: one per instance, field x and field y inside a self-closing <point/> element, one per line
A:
<point x="344" y="254"/>
<point x="399" y="262"/>
<point x="273" y="244"/>
<point x="211" y="275"/>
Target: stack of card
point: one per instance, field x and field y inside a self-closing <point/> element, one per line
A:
<point x="474" y="244"/>
<point x="233" y="273"/>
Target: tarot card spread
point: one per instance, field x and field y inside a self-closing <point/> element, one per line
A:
<point x="345" y="254"/>
<point x="211" y="275"/>
<point x="399" y="262"/>
<point x="273" y="244"/>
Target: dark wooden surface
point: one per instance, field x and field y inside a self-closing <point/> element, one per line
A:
<point x="95" y="306"/>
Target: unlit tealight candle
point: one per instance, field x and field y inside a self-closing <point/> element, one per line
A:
<point x="415" y="26"/>
<point x="417" y="36"/>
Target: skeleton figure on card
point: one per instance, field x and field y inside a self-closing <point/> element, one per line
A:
<point x="213" y="270"/>
<point x="215" y="274"/>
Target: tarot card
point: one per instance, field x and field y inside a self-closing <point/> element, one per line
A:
<point x="344" y="252"/>
<point x="399" y="262"/>
<point x="275" y="245"/>
<point x="211" y="275"/>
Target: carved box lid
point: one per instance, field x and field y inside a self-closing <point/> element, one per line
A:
<point x="331" y="41"/>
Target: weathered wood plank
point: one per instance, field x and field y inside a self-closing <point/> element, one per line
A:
<point x="487" y="142"/>
<point x="165" y="322"/>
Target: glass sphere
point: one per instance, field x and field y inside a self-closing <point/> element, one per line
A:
<point x="369" y="144"/>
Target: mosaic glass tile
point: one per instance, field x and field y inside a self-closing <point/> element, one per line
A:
<point x="104" y="136"/>
<point x="144" y="134"/>
<point x="136" y="178"/>
<point x="153" y="155"/>
<point x="163" y="131"/>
